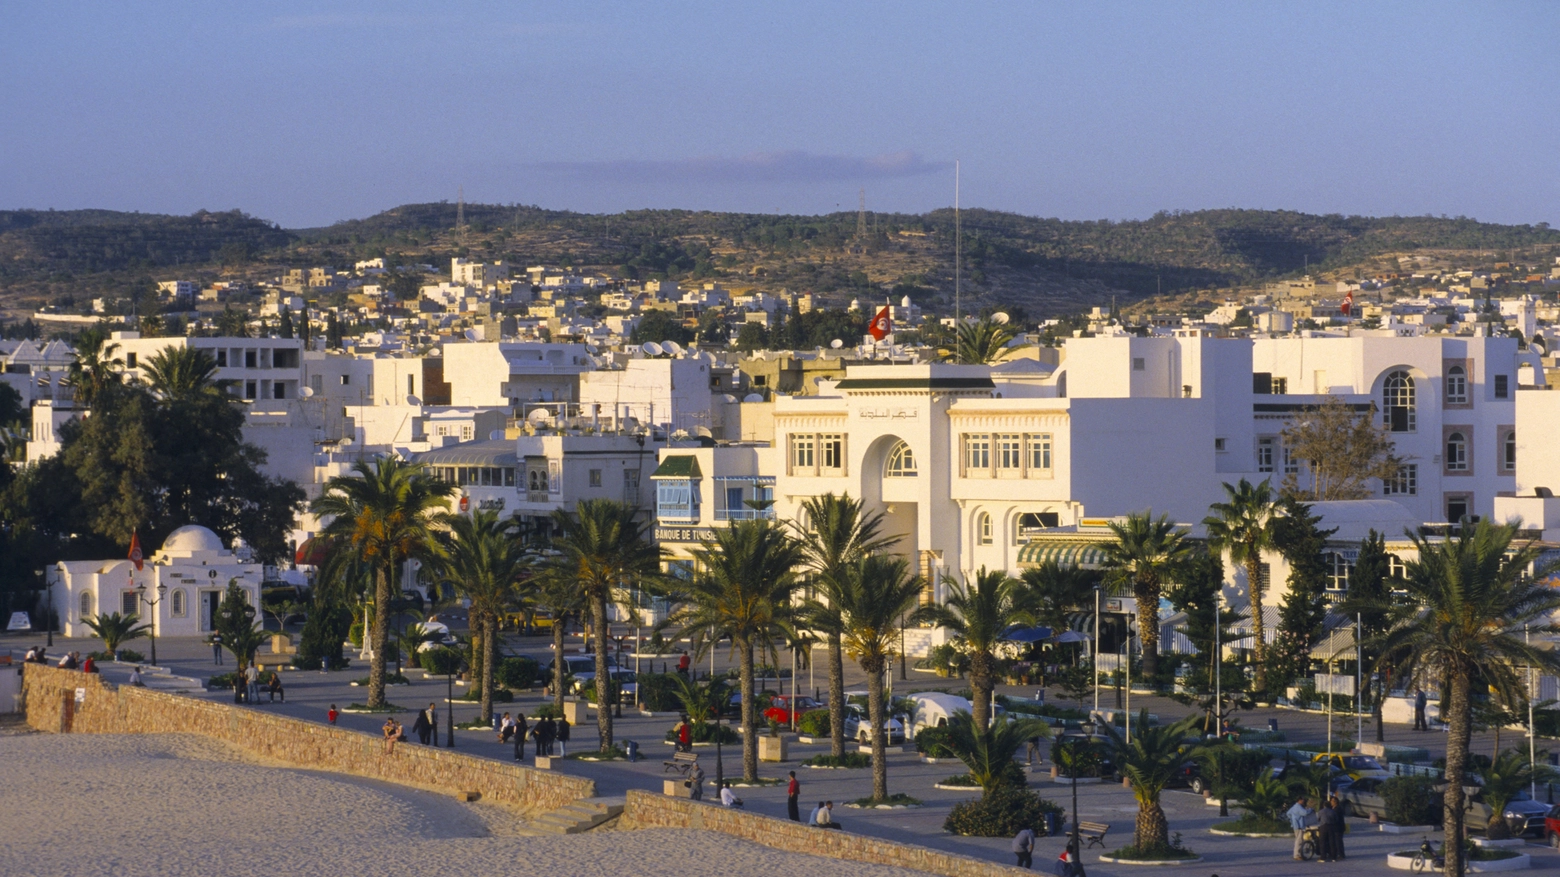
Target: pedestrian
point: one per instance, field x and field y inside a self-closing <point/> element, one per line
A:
<point x="1032" y="749"/>
<point x="683" y="663"/>
<point x="135" y="678"/>
<point x="562" y="731"/>
<point x="1301" y="817"/>
<point x="31" y="657"/>
<point x="826" y="817"/>
<point x="252" y="683"/>
<point x="420" y="726"/>
<point x="216" y="648"/>
<point x="546" y="732"/>
<point x="684" y="736"/>
<point x="332" y="714"/>
<point x="520" y="730"/>
<point x="1067" y="864"/>
<point x="1420" y="702"/>
<point x="696" y="783"/>
<point x="1324" y="832"/>
<point x="728" y="798"/>
<point x="43" y="655"/>
<point x="793" y="791"/>
<point x="1338" y="828"/>
<point x="1024" y="848"/>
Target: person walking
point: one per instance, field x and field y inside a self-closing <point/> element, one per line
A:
<point x="793" y="791"/>
<point x="519" y="736"/>
<point x="421" y="727"/>
<point x="696" y="783"/>
<point x="1301" y="817"/>
<point x="684" y="736"/>
<point x="216" y="648"/>
<point x="1338" y="828"/>
<point x="562" y="730"/>
<point x="332" y="714"/>
<point x="1032" y="748"/>
<point x="1024" y="848"/>
<point x="1420" y="702"/>
<point x="546" y="732"/>
<point x="683" y="663"/>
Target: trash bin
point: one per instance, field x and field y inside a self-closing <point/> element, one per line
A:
<point x="1272" y="724"/>
<point x="1053" y="824"/>
<point x="631" y="749"/>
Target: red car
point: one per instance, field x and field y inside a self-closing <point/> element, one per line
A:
<point x="780" y="708"/>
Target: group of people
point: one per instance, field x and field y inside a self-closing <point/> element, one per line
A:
<point x="67" y="661"/>
<point x="254" y="680"/>
<point x="1328" y="822"/>
<point x="546" y="732"/>
<point x="426" y="725"/>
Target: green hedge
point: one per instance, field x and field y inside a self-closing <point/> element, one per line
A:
<point x="1003" y="813"/>
<point x="517" y="673"/>
<point x="1411" y="801"/>
<point x="813" y="723"/>
<point x="706" y="734"/>
<point x="934" y="743"/>
<point x="658" y="692"/>
<point x="849" y="759"/>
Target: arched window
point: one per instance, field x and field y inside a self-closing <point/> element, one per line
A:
<point x="1456" y="385"/>
<point x="177" y="607"/>
<point x="1456" y="452"/>
<point x="1508" y="451"/>
<point x="983" y="528"/>
<point x="86" y="604"/>
<point x="1397" y="402"/>
<point x="901" y="462"/>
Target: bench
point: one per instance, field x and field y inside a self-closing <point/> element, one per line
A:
<point x="682" y="762"/>
<point x="1094" y="832"/>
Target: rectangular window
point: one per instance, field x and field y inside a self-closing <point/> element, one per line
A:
<point x="222" y="359"/>
<point x="631" y="486"/>
<point x="832" y="448"/>
<point x="317" y="383"/>
<point x="977" y="456"/>
<point x="1502" y="388"/>
<point x="1456" y="507"/>
<point x="129" y="603"/>
<point x="1219" y="445"/>
<point x="1404" y="483"/>
<point x="346" y="380"/>
<point x="251" y="359"/>
<point x="1139" y="364"/>
<point x="1265" y="454"/>
<point x="129" y="360"/>
<point x="250" y="389"/>
<point x="1040" y="454"/>
<point x="1010" y="454"/>
<point x="509" y="477"/>
<point x="1280" y="386"/>
<point x="595" y="478"/>
<point x="1291" y="463"/>
<point x="803" y="460"/>
<point x="465" y="433"/>
<point x="676" y="499"/>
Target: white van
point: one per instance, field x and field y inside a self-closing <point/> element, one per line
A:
<point x="933" y="709"/>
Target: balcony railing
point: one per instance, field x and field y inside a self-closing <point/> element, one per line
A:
<point x="745" y="514"/>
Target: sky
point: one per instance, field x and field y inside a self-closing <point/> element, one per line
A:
<point x="311" y="113"/>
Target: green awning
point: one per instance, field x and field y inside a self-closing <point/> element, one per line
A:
<point x="1068" y="552"/>
<point x="677" y="466"/>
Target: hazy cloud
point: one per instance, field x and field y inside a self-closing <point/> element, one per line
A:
<point x="791" y="166"/>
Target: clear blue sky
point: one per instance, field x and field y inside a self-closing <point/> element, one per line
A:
<point x="311" y="113"/>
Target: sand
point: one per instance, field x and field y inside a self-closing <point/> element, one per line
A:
<point x="185" y="805"/>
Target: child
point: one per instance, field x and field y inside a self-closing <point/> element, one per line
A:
<point x="332" y="714"/>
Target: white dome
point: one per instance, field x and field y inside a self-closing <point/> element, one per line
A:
<point x="192" y="538"/>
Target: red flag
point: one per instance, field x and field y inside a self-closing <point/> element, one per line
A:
<point x="882" y="325"/>
<point x="1348" y="303"/>
<point x="135" y="550"/>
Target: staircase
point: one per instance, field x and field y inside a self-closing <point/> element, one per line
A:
<point x="581" y="816"/>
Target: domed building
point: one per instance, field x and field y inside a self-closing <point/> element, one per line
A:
<point x="187" y="577"/>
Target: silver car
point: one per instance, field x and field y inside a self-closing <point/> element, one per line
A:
<point x="857" y="726"/>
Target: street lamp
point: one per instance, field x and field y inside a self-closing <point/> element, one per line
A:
<point x="162" y="593"/>
<point x="48" y="611"/>
<point x="1094" y="650"/>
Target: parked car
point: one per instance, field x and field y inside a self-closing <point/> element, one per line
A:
<point x="1099" y="743"/>
<point x="780" y="708"/>
<point x="436" y="634"/>
<point x="932" y="709"/>
<point x="581" y="667"/>
<point x="857" y="726"/>
<point x="1363" y="797"/>
<point x="1527" y="817"/>
<point x="1552" y="826"/>
<point x="1355" y="767"/>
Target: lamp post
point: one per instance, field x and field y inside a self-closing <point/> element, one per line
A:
<point x="1072" y="750"/>
<point x="1094" y="650"/>
<point x="48" y="612"/>
<point x="162" y="592"/>
<point x="449" y="712"/>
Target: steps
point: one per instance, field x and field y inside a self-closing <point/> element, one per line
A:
<point x="581" y="816"/>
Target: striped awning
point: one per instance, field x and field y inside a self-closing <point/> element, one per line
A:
<point x="1064" y="552"/>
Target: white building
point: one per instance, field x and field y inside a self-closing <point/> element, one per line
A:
<point x="253" y="369"/>
<point x="481" y="275"/>
<point x="514" y="373"/>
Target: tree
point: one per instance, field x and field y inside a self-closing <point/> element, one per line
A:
<point x="236" y="622"/>
<point x="232" y="324"/>
<point x="387" y="511"/>
<point x="484" y="562"/>
<point x="989" y="752"/>
<point x="1143" y="555"/>
<point x="1466" y="604"/>
<point x="981" y="343"/>
<point x="836" y="532"/>
<point x="95" y="367"/>
<point x="181" y="374"/>
<point x="661" y="326"/>
<point x="285" y="330"/>
<point x="1152" y="760"/>
<point x="562" y="600"/>
<point x="1304" y="607"/>
<point x="878" y="591"/>
<point x="1243" y="526"/>
<point x="741" y="588"/>
<point x="1058" y="592"/>
<point x="1508" y="776"/>
<point x="1343" y="450"/>
<point x="115" y="628"/>
<point x="978" y="613"/>
<point x="1369" y="591"/>
<point x="603" y="550"/>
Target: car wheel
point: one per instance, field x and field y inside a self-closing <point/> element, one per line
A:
<point x="1197" y="785"/>
<point x="1554" y="840"/>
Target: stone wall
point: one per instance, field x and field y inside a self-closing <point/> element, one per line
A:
<point x="106" y="708"/>
<point x="649" y="810"/>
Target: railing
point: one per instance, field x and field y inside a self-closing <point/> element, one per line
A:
<point x="745" y="514"/>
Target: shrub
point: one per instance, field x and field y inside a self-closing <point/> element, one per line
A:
<point x="849" y="759"/>
<point x="1411" y="801"/>
<point x="320" y="639"/>
<point x="658" y="692"/>
<point x="500" y="695"/>
<point x="1001" y="813"/>
<point x="517" y="673"/>
<point x="128" y="656"/>
<point x="303" y="662"/>
<point x="706" y="734"/>
<point x="1091" y="756"/>
<point x="935" y="743"/>
<point x="355" y="634"/>
<point x="548" y="711"/>
<point x="391" y="678"/>
<point x="814" y="723"/>
<point x="223" y="680"/>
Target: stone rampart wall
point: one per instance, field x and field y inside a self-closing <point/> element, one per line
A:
<point x="649" y="810"/>
<point x="106" y="708"/>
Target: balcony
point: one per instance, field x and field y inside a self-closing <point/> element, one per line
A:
<point x="745" y="514"/>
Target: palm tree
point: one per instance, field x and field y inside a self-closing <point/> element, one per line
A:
<point x="1467" y="601"/>
<point x="1057" y="592"/>
<point x="95" y="367"/>
<point x="179" y="374"/>
<point x="742" y="588"/>
<point x="878" y="591"/>
<point x="978" y="614"/>
<point x="1152" y="761"/>
<point x="982" y="343"/>
<point x="387" y="512"/>
<point x="603" y="550"/>
<point x="1243" y="525"/>
<point x="1145" y="552"/>
<point x="836" y="532"/>
<point x="989" y="752"/>
<point x="562" y="600"/>
<point x="484" y="562"/>
<point x="1508" y="776"/>
<point x="114" y="629"/>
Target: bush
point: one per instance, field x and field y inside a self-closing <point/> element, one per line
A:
<point x="548" y="711"/>
<point x="1411" y="801"/>
<point x="849" y="759"/>
<point x="391" y="678"/>
<point x="935" y="743"/>
<point x="302" y="662"/>
<point x="1002" y="813"/>
<point x="355" y="634"/>
<point x="223" y="680"/>
<point x="814" y="723"/>
<point x="129" y="656"/>
<point x="500" y="695"/>
<point x="517" y="673"/>
<point x="706" y="734"/>
<point x="658" y="692"/>
<point x="320" y="639"/>
<point x="1091" y="756"/>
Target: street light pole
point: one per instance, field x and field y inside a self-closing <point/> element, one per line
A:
<point x="162" y="592"/>
<point x="1094" y="651"/>
<point x="449" y="711"/>
<point x="48" y="612"/>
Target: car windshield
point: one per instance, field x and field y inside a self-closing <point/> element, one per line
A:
<point x="1361" y="762"/>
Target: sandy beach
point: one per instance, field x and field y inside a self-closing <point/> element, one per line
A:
<point x="184" y="805"/>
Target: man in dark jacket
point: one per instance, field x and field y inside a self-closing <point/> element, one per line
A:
<point x="546" y="730"/>
<point x="520" y="731"/>
<point x="424" y="725"/>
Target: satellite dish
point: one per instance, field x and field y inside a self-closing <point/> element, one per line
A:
<point x="753" y="397"/>
<point x="307" y="392"/>
<point x="1000" y="318"/>
<point x="413" y="400"/>
<point x="346" y="442"/>
<point x="471" y="335"/>
<point x="539" y="417"/>
<point x="728" y="398"/>
<point x="703" y="432"/>
<point x="496" y="435"/>
<point x="651" y="348"/>
<point x="836" y="344"/>
<point x="672" y="347"/>
<point x="679" y="435"/>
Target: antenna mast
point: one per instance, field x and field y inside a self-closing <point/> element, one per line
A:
<point x="460" y="215"/>
<point x="958" y="253"/>
<point x="861" y="217"/>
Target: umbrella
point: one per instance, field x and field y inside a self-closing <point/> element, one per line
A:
<point x="1020" y="634"/>
<point x="1072" y="636"/>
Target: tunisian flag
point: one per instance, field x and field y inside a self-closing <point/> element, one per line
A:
<point x="1348" y="303"/>
<point x="135" y="550"/>
<point x="881" y="325"/>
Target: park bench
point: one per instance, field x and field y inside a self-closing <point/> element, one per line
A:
<point x="682" y="762"/>
<point x="1094" y="833"/>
